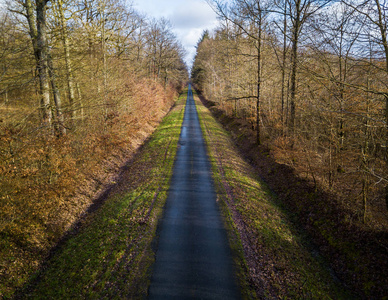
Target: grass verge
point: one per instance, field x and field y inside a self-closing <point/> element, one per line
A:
<point x="274" y="257"/>
<point x="110" y="254"/>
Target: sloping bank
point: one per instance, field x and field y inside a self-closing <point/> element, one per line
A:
<point x="109" y="252"/>
<point x="275" y="260"/>
<point x="47" y="182"/>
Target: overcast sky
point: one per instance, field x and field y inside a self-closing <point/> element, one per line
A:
<point x="188" y="17"/>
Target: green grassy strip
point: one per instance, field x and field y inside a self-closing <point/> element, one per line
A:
<point x="111" y="255"/>
<point x="289" y="268"/>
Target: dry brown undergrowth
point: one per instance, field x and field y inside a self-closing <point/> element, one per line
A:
<point x="46" y="182"/>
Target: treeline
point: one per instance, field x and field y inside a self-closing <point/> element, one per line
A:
<point x="82" y="84"/>
<point x="310" y="80"/>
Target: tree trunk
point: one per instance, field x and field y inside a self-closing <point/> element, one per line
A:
<point x="80" y="102"/>
<point x="68" y="62"/>
<point x="32" y="26"/>
<point x="6" y="97"/>
<point x="258" y="128"/>
<point x="42" y="55"/>
<point x="59" y="126"/>
<point x="284" y="63"/>
<point x="258" y="140"/>
<point x="382" y="24"/>
<point x="294" y="56"/>
<point x="294" y="63"/>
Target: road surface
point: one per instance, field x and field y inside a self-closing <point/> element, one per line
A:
<point x="193" y="258"/>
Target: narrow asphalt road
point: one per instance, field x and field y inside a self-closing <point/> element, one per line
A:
<point x="193" y="258"/>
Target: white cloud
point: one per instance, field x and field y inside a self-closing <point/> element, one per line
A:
<point x="188" y="17"/>
<point x="192" y="14"/>
<point x="189" y="39"/>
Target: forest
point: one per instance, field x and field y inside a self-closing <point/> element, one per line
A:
<point x="306" y="82"/>
<point x="82" y="84"/>
<point x="302" y="85"/>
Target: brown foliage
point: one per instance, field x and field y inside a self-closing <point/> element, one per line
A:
<point x="48" y="182"/>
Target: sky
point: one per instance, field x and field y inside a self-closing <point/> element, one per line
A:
<point x="189" y="19"/>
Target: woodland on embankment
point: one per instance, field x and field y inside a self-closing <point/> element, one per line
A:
<point x="306" y="82"/>
<point x="82" y="85"/>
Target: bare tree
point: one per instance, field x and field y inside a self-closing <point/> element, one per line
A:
<point x="249" y="16"/>
<point x="60" y="10"/>
<point x="299" y="11"/>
